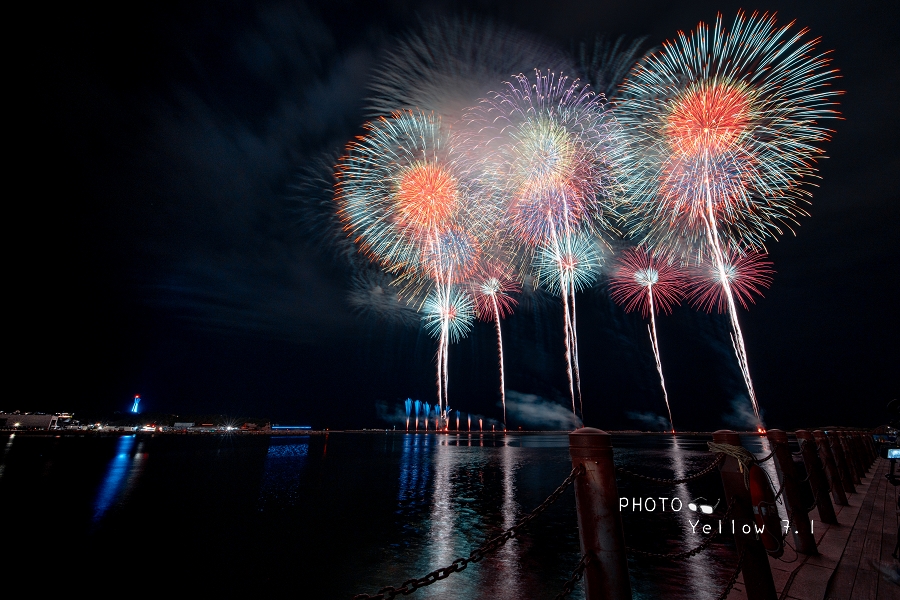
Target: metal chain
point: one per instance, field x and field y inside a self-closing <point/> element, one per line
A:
<point x="411" y="585"/>
<point x="734" y="576"/>
<point x="661" y="481"/>
<point x="771" y="454"/>
<point x="577" y="574"/>
<point x="688" y="553"/>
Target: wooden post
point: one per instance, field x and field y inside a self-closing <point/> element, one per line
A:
<point x="850" y="454"/>
<point x="861" y="452"/>
<point x="859" y="438"/>
<point x="757" y="572"/>
<point x="834" y="442"/>
<point x="835" y="481"/>
<point x="801" y="528"/>
<point x="599" y="518"/>
<point x="818" y="480"/>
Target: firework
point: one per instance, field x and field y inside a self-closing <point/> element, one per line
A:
<point x="491" y="286"/>
<point x="375" y="294"/>
<point x="723" y="130"/>
<point x="606" y="64"/>
<point x="641" y="280"/>
<point x="401" y="194"/>
<point x="408" y="405"/>
<point x="746" y="276"/>
<point x="545" y="145"/>
<point x="447" y="64"/>
<point x="449" y="315"/>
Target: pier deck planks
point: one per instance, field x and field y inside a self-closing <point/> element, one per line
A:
<point x="855" y="561"/>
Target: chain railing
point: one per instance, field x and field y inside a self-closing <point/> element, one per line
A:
<point x="577" y="574"/>
<point x="663" y="481"/>
<point x="411" y="585"/>
<point x="744" y="458"/>
<point x="733" y="579"/>
<point x="687" y="553"/>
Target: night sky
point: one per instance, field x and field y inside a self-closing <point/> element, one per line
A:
<point x="167" y="247"/>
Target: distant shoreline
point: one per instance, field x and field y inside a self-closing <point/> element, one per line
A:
<point x="311" y="432"/>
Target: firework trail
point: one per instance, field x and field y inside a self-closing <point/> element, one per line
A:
<point x="447" y="317"/>
<point x="418" y="408"/>
<point x="716" y="287"/>
<point x="637" y="278"/>
<point x="567" y="266"/>
<point x="544" y="144"/>
<point x="457" y="420"/>
<point x="491" y="287"/>
<point x="722" y="128"/>
<point x="401" y="196"/>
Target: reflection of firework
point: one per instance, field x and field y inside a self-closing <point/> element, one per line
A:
<point x="746" y="275"/>
<point x="647" y="281"/>
<point x="722" y="128"/>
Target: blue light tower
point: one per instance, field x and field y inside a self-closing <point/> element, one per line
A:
<point x="134" y="407"/>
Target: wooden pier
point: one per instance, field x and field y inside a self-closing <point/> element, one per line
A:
<point x="854" y="560"/>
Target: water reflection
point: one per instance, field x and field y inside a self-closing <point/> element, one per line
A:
<point x="123" y="472"/>
<point x="285" y="462"/>
<point x="508" y="556"/>
<point x="9" y="444"/>
<point x="443" y="526"/>
<point x="698" y="567"/>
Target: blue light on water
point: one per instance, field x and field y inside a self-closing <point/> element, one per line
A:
<point x="115" y="478"/>
<point x="283" y="473"/>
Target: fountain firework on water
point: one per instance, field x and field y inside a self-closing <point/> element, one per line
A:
<point x="418" y="408"/>
<point x="408" y="406"/>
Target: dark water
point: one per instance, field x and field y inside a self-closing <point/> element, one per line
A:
<point x="329" y="517"/>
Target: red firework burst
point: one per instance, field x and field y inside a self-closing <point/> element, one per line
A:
<point x="636" y="272"/>
<point x="491" y="286"/>
<point x="426" y="198"/>
<point x="746" y="275"/>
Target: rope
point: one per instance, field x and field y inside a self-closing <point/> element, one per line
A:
<point x="743" y="456"/>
